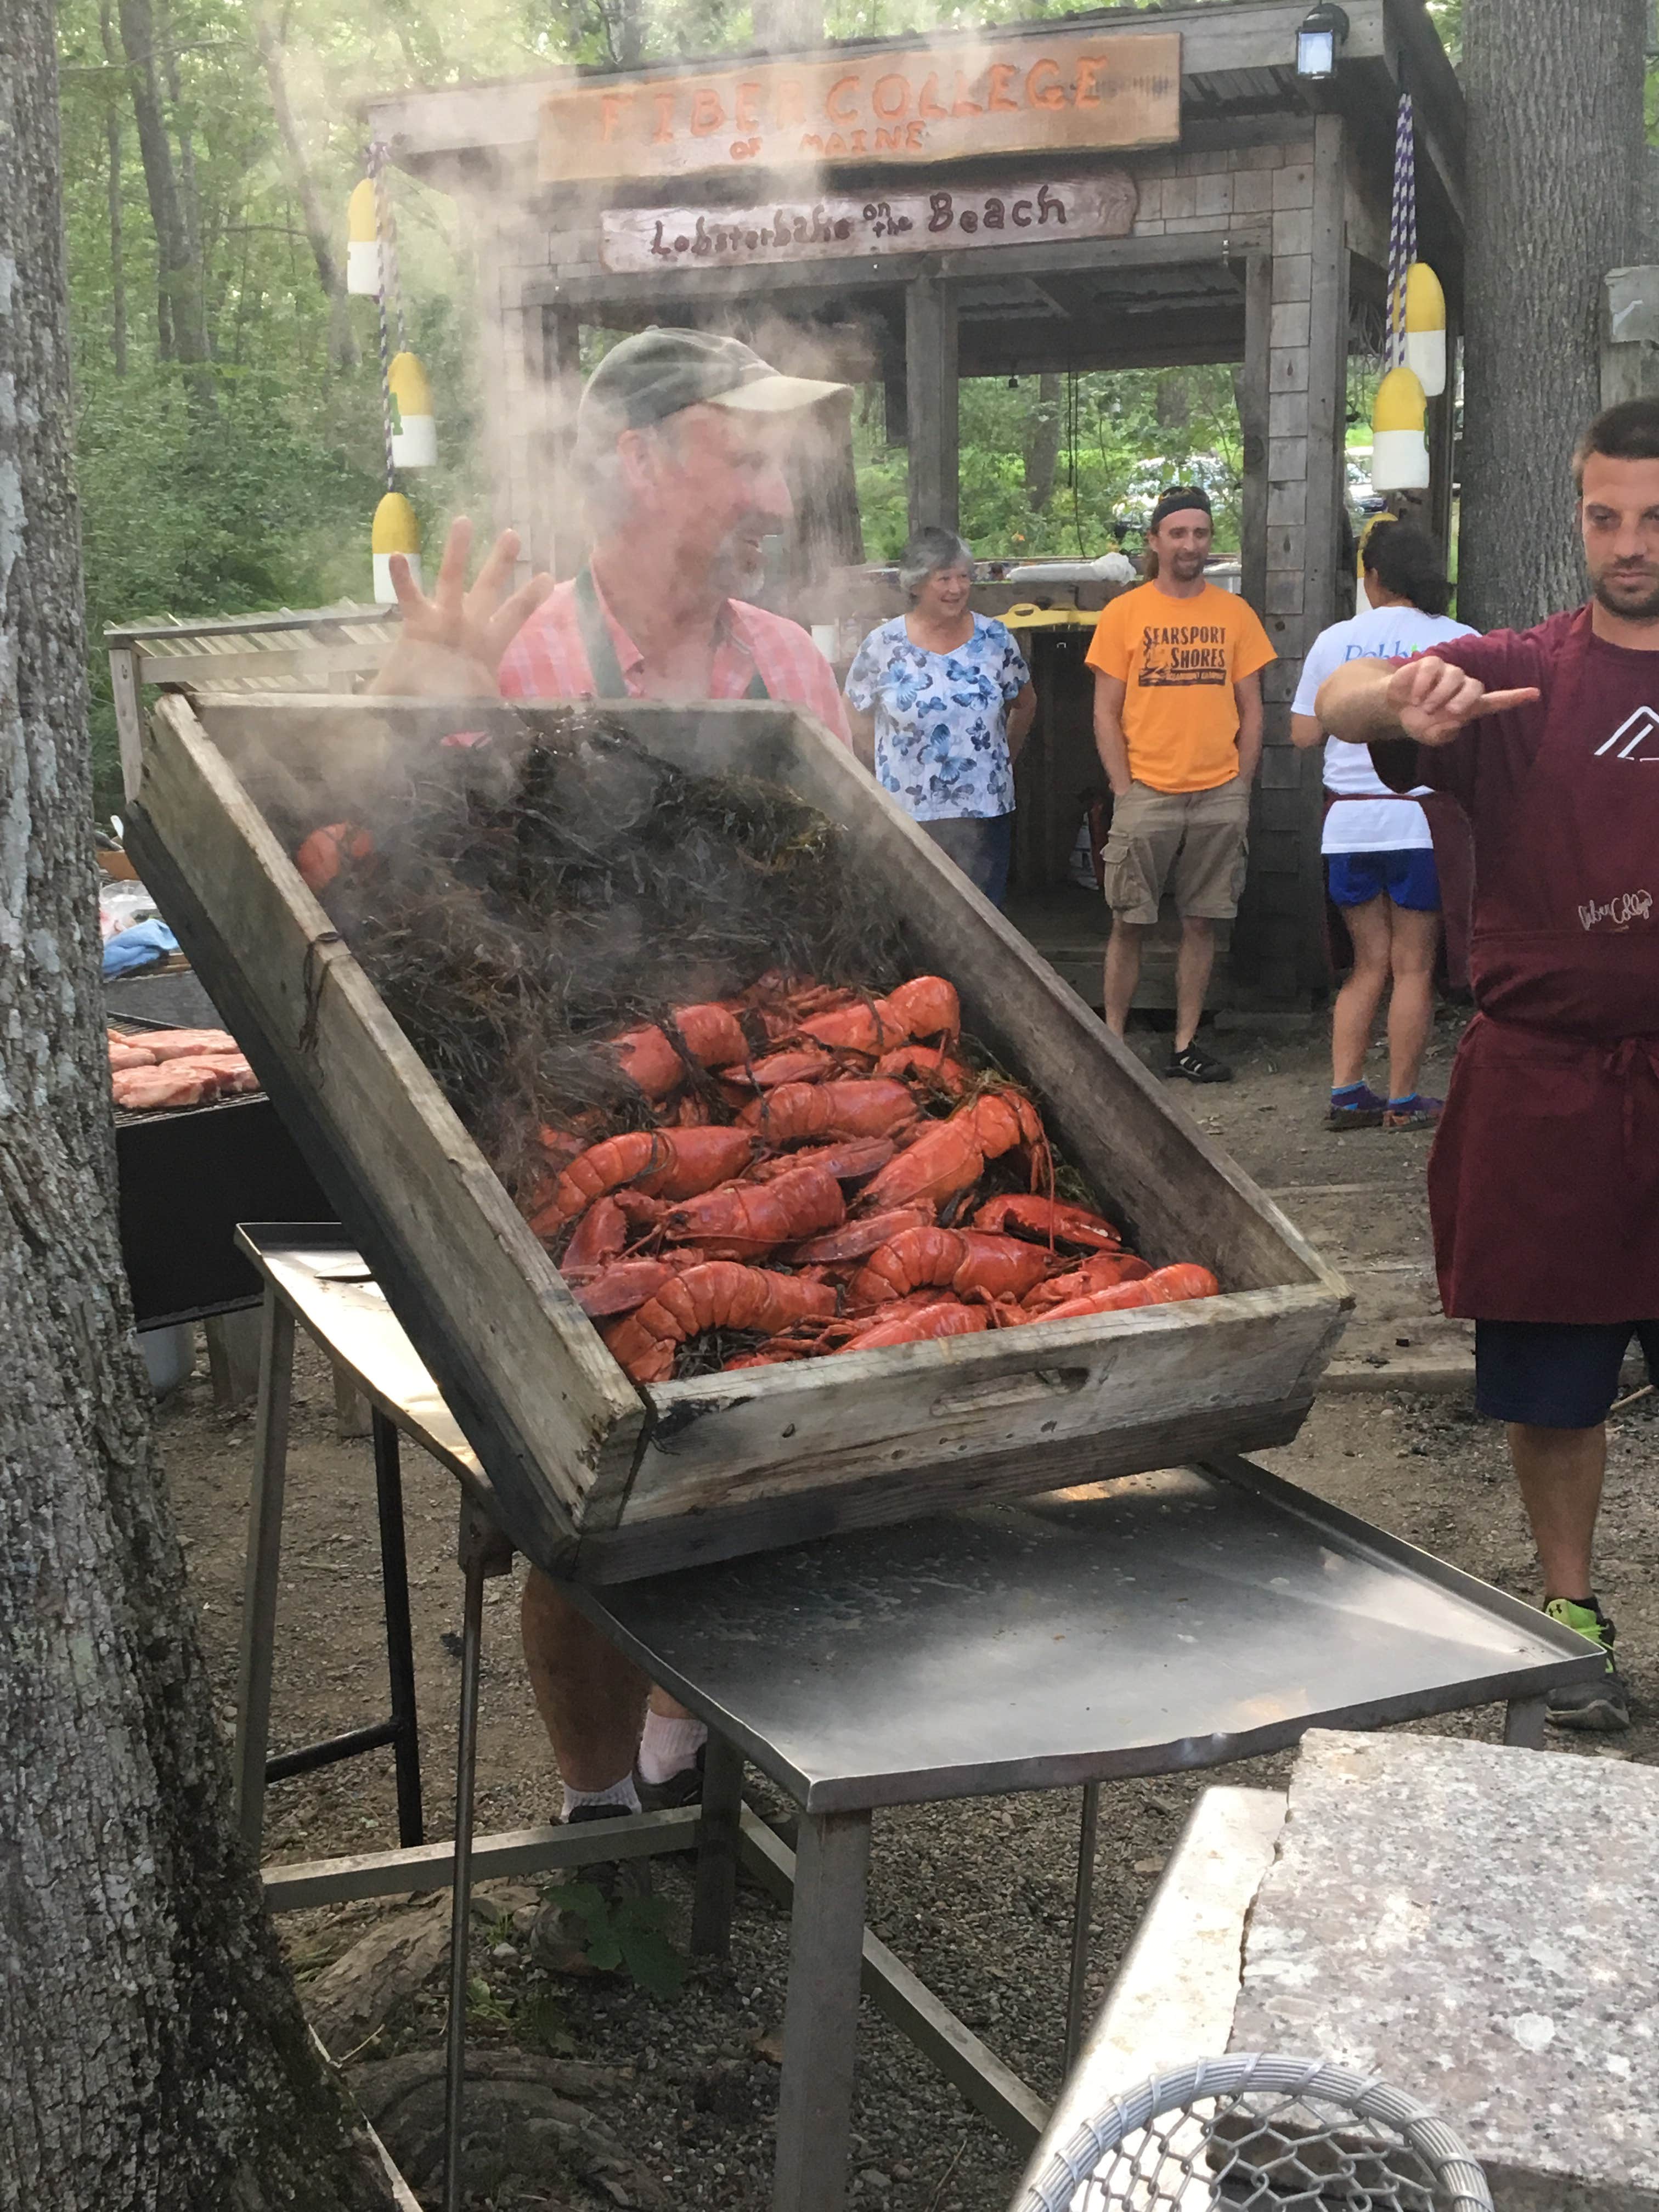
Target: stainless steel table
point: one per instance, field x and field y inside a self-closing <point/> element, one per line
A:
<point x="1152" y="1623"/>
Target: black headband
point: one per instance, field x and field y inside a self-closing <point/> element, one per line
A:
<point x="1177" y="497"/>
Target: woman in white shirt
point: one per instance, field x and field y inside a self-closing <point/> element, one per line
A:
<point x="1378" y="848"/>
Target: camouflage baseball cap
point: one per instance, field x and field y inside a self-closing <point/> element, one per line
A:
<point x="657" y="371"/>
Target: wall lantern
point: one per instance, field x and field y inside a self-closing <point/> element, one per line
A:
<point x="1323" y="29"/>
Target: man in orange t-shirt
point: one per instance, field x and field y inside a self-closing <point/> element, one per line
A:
<point x="1177" y="665"/>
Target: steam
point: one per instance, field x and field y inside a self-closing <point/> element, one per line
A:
<point x="531" y="896"/>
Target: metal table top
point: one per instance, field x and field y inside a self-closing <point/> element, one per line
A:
<point x="1157" y="1622"/>
<point x="1160" y="1621"/>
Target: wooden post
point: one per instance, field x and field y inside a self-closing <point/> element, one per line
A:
<point x="561" y="343"/>
<point x="930" y="366"/>
<point x="1253" y="405"/>
<point x="233" y="1346"/>
<point x="1326" y="433"/>
<point x="129" y="719"/>
<point x="896" y="405"/>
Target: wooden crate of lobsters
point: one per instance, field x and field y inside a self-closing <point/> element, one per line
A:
<point x="739" y="1173"/>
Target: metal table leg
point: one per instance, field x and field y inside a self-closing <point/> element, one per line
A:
<point x="820" y="2020"/>
<point x="717" y="1848"/>
<point x="264" y="1549"/>
<point x="399" y="1646"/>
<point x="1081" y="1907"/>
<point x="1523" y="1722"/>
<point x="475" y="1560"/>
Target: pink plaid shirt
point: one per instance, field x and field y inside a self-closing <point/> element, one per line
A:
<point x="547" y="659"/>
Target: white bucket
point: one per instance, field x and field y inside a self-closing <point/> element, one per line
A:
<point x="169" y="1354"/>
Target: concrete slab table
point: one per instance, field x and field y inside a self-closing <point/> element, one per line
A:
<point x="1143" y="1625"/>
<point x="1477" y="1924"/>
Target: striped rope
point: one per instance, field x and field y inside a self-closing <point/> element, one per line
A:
<point x="1402" y="229"/>
<point x="377" y="171"/>
<point x="386" y="220"/>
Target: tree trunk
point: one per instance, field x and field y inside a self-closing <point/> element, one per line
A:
<point x="787" y="25"/>
<point x="341" y="345"/>
<point x="157" y="2059"/>
<point x="1042" y="444"/>
<point x="118" y="276"/>
<point x="626" y="28"/>
<point x="1555" y="140"/>
<point x="183" y="329"/>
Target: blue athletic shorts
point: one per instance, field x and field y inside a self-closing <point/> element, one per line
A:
<point x="1409" y="878"/>
<point x="1555" y="1375"/>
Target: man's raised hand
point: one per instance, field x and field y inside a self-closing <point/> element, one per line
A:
<point x="1433" y="701"/>
<point x="450" y="645"/>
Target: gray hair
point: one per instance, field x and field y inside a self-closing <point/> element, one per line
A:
<point x="928" y="551"/>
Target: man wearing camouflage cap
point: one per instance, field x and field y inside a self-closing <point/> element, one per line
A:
<point x="679" y="439"/>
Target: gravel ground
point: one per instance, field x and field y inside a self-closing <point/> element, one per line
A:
<point x="976" y="1898"/>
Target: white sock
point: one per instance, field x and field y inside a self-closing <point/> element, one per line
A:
<point x="621" y="1793"/>
<point x="669" y="1747"/>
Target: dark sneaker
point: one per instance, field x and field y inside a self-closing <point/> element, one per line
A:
<point x="1199" y="1066"/>
<point x="562" y="1934"/>
<point x="1603" y="1703"/>
<point x="685" y="1788"/>
<point x="1416" y="1112"/>
<point x="1365" y="1112"/>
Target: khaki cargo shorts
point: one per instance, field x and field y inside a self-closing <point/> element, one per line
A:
<point x="1192" y="843"/>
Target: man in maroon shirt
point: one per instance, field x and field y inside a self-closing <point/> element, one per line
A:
<point x="1544" y="1180"/>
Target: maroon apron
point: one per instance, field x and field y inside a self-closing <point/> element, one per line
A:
<point x="1544" y="1179"/>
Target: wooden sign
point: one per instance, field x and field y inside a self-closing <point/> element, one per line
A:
<point x="1076" y="89"/>
<point x="1098" y="206"/>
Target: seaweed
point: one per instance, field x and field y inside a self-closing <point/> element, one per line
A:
<point x="522" y="902"/>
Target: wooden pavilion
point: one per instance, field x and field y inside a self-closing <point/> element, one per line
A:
<point x="1127" y="188"/>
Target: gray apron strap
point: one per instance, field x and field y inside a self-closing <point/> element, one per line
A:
<point x="603" y="664"/>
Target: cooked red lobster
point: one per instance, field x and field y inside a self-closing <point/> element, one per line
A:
<point x="719" y="1295"/>
<point x="742" y="1220"/>
<point x="963" y="1261"/>
<point x="950" y="1158"/>
<point x="808" y="1138"/>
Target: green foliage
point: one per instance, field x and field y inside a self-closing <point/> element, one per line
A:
<point x="1121" y="441"/>
<point x="541" y="2022"/>
<point x="629" y="1932"/>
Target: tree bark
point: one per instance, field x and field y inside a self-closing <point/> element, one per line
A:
<point x="1555" y="142"/>
<point x="183" y="322"/>
<point x="341" y="345"/>
<point x="787" y="25"/>
<point x="156" y="2059"/>
<point x="118" y="275"/>
<point x="1042" y="444"/>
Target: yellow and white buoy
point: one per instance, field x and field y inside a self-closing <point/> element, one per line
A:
<point x="396" y="531"/>
<point x="364" y="273"/>
<point x="1426" y="328"/>
<point x="1399" y="445"/>
<point x="414" y="433"/>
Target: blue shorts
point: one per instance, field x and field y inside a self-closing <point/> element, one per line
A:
<point x="1555" y="1375"/>
<point x="1409" y="878"/>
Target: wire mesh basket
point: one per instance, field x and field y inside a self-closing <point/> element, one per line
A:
<point x="1264" y="2133"/>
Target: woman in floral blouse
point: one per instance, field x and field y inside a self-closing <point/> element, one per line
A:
<point x="944" y="697"/>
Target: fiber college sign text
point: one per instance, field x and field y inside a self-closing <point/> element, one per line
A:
<point x="1074" y="89"/>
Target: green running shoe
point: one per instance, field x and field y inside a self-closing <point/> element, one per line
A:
<point x="1603" y="1702"/>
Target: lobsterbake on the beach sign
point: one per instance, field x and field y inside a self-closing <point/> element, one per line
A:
<point x="1070" y="91"/>
<point x="635" y="240"/>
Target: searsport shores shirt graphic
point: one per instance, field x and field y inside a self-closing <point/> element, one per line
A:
<point x="1178" y="653"/>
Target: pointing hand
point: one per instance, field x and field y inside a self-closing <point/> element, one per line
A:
<point x="1434" y="701"/>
